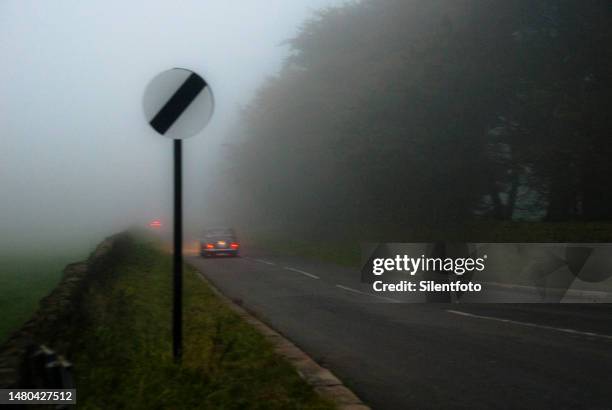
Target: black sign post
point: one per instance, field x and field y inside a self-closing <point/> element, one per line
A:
<point x="178" y="103"/>
<point x="177" y="300"/>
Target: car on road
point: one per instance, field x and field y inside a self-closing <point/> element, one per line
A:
<point x="219" y="241"/>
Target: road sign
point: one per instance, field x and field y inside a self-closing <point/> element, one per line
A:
<point x="178" y="104"/>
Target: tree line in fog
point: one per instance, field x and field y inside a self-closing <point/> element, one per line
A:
<point x="437" y="111"/>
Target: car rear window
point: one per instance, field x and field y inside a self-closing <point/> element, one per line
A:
<point x="219" y="232"/>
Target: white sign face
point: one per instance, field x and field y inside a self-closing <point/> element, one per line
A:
<point x="178" y="103"/>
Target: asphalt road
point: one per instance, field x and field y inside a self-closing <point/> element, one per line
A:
<point x="420" y="356"/>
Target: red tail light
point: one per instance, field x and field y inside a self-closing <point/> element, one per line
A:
<point x="210" y="246"/>
<point x="156" y="223"/>
<point x="234" y="245"/>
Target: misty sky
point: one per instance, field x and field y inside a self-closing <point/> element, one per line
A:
<point x="77" y="158"/>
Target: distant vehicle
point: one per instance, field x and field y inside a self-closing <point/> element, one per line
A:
<point x="219" y="241"/>
<point x="156" y="223"/>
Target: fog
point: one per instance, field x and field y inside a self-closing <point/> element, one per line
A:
<point x="78" y="160"/>
<point x="376" y="117"/>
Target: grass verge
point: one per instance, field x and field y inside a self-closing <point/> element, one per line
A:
<point x="344" y="247"/>
<point x="24" y="280"/>
<point x="122" y="354"/>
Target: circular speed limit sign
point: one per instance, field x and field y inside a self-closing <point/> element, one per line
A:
<point x="178" y="103"/>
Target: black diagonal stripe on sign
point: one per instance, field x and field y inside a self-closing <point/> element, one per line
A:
<point x="178" y="103"/>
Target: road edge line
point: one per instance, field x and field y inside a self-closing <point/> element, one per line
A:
<point x="322" y="380"/>
<point x="533" y="325"/>
<point x="569" y="292"/>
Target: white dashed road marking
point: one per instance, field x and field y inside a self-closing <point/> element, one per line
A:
<point x="266" y="262"/>
<point x="367" y="294"/>
<point x="310" y="275"/>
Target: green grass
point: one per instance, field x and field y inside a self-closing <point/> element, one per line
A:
<point x="344" y="247"/>
<point x="341" y="252"/>
<point x="495" y="231"/>
<point x="123" y="359"/>
<point x="24" y="280"/>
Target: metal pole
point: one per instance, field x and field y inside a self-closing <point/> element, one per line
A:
<point x="177" y="306"/>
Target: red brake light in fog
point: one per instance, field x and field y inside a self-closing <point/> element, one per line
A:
<point x="209" y="246"/>
<point x="234" y="245"/>
<point x="156" y="223"/>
